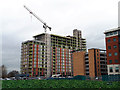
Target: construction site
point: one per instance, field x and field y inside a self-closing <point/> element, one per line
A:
<point x="50" y="54"/>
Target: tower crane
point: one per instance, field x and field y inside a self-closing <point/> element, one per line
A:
<point x="45" y="26"/>
<point x="47" y="41"/>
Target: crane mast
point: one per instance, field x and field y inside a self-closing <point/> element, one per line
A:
<point x="45" y="26"/>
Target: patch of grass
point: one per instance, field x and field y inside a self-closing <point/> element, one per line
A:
<point x="58" y="84"/>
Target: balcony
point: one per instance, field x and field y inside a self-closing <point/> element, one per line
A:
<point x="83" y="41"/>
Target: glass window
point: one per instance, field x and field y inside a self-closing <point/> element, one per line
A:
<point x="115" y="32"/>
<point x="116" y="61"/>
<point x="115" y="46"/>
<point x="107" y="34"/>
<point x="111" y="33"/>
<point x="109" y="47"/>
<point x="114" y="39"/>
<point x="115" y="54"/>
<point x="111" y="69"/>
<point x="108" y="40"/>
<point x="110" y="61"/>
<point x="116" y="69"/>
<point x="110" y="54"/>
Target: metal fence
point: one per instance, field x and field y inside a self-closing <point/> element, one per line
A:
<point x="111" y="77"/>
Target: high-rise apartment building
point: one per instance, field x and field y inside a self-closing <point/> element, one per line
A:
<point x="33" y="60"/>
<point x="92" y="63"/>
<point x="54" y="57"/>
<point x="112" y="38"/>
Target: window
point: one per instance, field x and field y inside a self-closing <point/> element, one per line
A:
<point x="115" y="32"/>
<point x="108" y="40"/>
<point x="97" y="50"/>
<point x="116" y="69"/>
<point x="114" y="39"/>
<point x="115" y="54"/>
<point x="111" y="69"/>
<point x="109" y="47"/>
<point x="107" y="34"/>
<point x="111" y="33"/>
<point x="110" y="54"/>
<point x="115" y="46"/>
<point x="116" y="61"/>
<point x="110" y="61"/>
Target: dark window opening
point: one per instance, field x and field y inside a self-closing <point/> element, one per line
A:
<point x="109" y="47"/>
<point x="115" y="46"/>
<point x="116" y="61"/>
<point x="114" y="39"/>
<point x="110" y="61"/>
<point x="111" y="69"/>
<point x="110" y="54"/>
<point x="117" y="69"/>
<point x="108" y="40"/>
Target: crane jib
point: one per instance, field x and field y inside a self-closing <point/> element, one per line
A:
<point x="44" y="24"/>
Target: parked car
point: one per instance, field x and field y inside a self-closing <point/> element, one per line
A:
<point x="12" y="78"/>
<point x="2" y="79"/>
<point x="69" y="77"/>
<point x="31" y="78"/>
<point x="7" y="79"/>
<point x="24" y="78"/>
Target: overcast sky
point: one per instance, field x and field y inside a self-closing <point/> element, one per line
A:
<point x="92" y="17"/>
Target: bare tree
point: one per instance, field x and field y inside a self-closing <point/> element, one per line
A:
<point x="4" y="71"/>
<point x="13" y="73"/>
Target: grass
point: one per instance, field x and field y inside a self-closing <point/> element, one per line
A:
<point x="58" y="84"/>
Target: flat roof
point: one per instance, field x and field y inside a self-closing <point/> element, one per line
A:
<point x="111" y="30"/>
<point x="32" y="41"/>
<point x="39" y="35"/>
<point x="61" y="36"/>
<point x="97" y="48"/>
<point x="53" y="35"/>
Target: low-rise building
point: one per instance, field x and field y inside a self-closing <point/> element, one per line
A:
<point x="92" y="63"/>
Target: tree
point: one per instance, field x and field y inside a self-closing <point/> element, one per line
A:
<point x="13" y="73"/>
<point x="4" y="71"/>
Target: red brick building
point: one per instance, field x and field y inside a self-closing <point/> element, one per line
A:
<point x="92" y="63"/>
<point x="113" y="50"/>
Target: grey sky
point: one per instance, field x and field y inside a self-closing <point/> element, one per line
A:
<point x="92" y="17"/>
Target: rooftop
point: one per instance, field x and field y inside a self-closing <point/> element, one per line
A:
<point x="53" y="35"/>
<point x="111" y="30"/>
<point x="39" y="35"/>
<point x="97" y="49"/>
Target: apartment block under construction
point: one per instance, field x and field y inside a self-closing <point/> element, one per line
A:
<point x="50" y="54"/>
